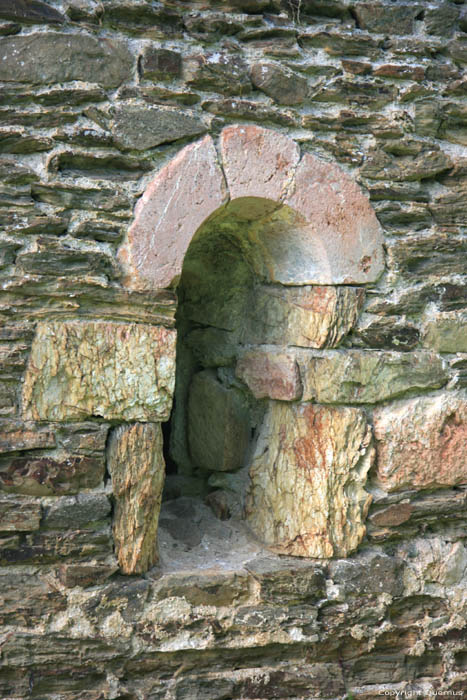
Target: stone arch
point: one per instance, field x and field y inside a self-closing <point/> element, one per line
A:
<point x="335" y="233"/>
<point x="308" y="240"/>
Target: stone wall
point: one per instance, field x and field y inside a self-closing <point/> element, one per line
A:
<point x="338" y="383"/>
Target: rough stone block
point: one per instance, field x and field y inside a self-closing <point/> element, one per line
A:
<point x="71" y="512"/>
<point x="268" y="373"/>
<point x="311" y="317"/>
<point x="16" y="435"/>
<point x="421" y="443"/>
<point x="33" y="11"/>
<point x="57" y="58"/>
<point x="54" y="474"/>
<point x="218" y="424"/>
<point x="446" y="332"/>
<point x="136" y="465"/>
<point x="217" y="72"/>
<point x="160" y="64"/>
<point x="17" y="514"/>
<point x="283" y="85"/>
<point x="307" y="496"/>
<point x="366" y="376"/>
<point x="79" y="369"/>
<point x="139" y="128"/>
<point x="182" y="195"/>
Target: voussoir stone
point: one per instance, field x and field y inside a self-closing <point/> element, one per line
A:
<point x="308" y="316"/>
<point x="57" y="58"/>
<point x="181" y="196"/>
<point x="257" y="162"/>
<point x="342" y="241"/>
<point x="367" y="376"/>
<point x="136" y="465"/>
<point x="421" y="443"/>
<point x="307" y="496"/>
<point x="116" y="371"/>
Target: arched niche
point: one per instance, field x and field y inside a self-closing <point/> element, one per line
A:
<point x="333" y="236"/>
<point x="269" y="253"/>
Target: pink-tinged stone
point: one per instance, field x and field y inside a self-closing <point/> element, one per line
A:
<point x="258" y="162"/>
<point x="182" y="195"/>
<point x="421" y="443"/>
<point x="270" y="374"/>
<point x="342" y="240"/>
<point x="306" y="495"/>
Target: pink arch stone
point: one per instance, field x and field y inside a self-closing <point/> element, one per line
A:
<point x="328" y="235"/>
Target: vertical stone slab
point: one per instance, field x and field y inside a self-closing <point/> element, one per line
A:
<point x="306" y="496"/>
<point x="136" y="465"/>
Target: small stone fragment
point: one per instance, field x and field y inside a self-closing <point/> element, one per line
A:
<point x="421" y="443"/>
<point x="218" y="424"/>
<point x="306" y="496"/>
<point x="136" y="465"/>
<point x="79" y="369"/>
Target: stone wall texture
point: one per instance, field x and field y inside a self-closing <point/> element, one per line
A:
<point x="290" y="177"/>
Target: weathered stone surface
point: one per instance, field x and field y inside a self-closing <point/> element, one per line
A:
<point x="283" y="85"/>
<point x="73" y="512"/>
<point x="27" y="598"/>
<point x="421" y="442"/>
<point x="386" y="18"/>
<point x="218" y="424"/>
<point x="446" y="332"/>
<point x="19" y="515"/>
<point x="48" y="546"/>
<point x="91" y="368"/>
<point x="136" y="465"/>
<point x="16" y="435"/>
<point x="86" y="574"/>
<point x="57" y="58"/>
<point x="385" y="333"/>
<point x="268" y="373"/>
<point x="342" y="242"/>
<point x="182" y="195"/>
<point x="160" y="64"/>
<point x="51" y="475"/>
<point x="365" y="376"/>
<point x="313" y="317"/>
<point x="218" y="72"/>
<point x="139" y="128"/>
<point x="258" y="162"/>
<point x="306" y="496"/>
<point x="30" y="11"/>
<point x="60" y="257"/>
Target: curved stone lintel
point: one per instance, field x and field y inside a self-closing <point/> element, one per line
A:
<point x="337" y="238"/>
